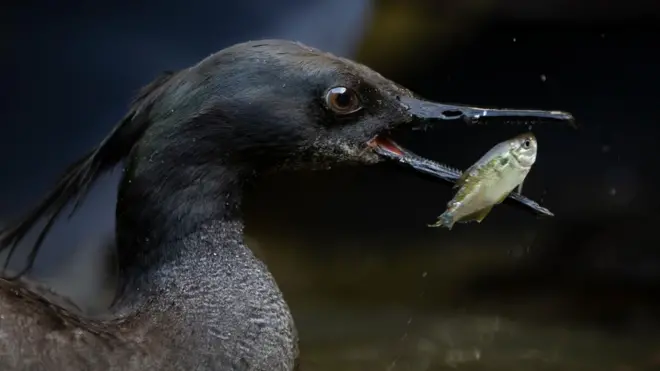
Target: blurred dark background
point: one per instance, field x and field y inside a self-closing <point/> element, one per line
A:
<point x="370" y="285"/>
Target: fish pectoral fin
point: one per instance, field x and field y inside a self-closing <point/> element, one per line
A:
<point x="519" y="190"/>
<point x="478" y="216"/>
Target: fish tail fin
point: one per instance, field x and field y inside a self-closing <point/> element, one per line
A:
<point x="74" y="185"/>
<point x="445" y="220"/>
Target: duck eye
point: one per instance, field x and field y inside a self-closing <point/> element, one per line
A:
<point x="342" y="100"/>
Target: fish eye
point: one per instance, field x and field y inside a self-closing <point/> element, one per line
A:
<point x="526" y="144"/>
<point x="342" y="100"/>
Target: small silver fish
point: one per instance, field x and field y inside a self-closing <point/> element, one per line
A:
<point x="490" y="180"/>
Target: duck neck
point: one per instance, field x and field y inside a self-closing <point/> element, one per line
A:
<point x="186" y="275"/>
<point x="176" y="230"/>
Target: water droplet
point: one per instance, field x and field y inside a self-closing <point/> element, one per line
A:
<point x="543" y="78"/>
<point x="612" y="191"/>
<point x="424" y="274"/>
<point x="514" y="39"/>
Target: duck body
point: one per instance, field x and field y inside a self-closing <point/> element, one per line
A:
<point x="192" y="295"/>
<point x="241" y="324"/>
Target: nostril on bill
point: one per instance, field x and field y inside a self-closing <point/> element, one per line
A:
<point x="452" y="114"/>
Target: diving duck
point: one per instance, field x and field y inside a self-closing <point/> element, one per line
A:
<point x="192" y="296"/>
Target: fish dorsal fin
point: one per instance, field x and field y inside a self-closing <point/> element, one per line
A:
<point x="465" y="176"/>
<point x="484" y="160"/>
<point x="478" y="216"/>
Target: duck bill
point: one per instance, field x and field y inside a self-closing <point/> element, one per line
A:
<point x="427" y="112"/>
<point x="387" y="148"/>
<point x="430" y="111"/>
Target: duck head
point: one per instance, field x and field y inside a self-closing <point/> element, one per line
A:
<point x="277" y="104"/>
